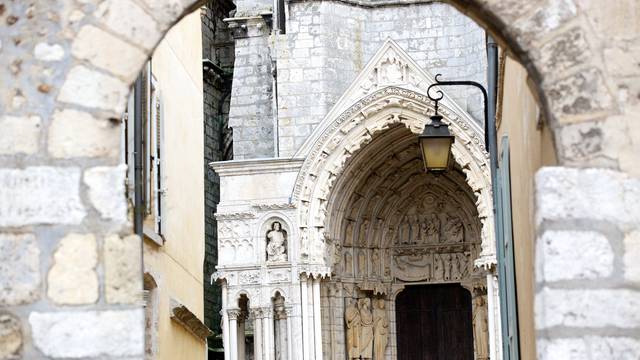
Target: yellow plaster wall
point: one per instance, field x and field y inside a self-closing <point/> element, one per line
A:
<point x="177" y="266"/>
<point x="531" y="147"/>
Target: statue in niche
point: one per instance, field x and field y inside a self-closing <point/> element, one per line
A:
<point x="353" y="322"/>
<point x="380" y="329"/>
<point x="480" y="328"/>
<point x="276" y="243"/>
<point x="446" y="261"/>
<point x="348" y="263"/>
<point x="432" y="229"/>
<point x="456" y="266"/>
<point x="362" y="235"/>
<point x="348" y="236"/>
<point x="366" y="329"/>
<point x="453" y="229"/>
<point x="404" y="231"/>
<point x="362" y="263"/>
<point x="375" y="261"/>
<point x="387" y="267"/>
<point x="415" y="229"/>
<point x="438" y="267"/>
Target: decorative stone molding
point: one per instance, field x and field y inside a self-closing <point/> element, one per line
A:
<point x="183" y="316"/>
<point x="249" y="26"/>
<point x="236" y="215"/>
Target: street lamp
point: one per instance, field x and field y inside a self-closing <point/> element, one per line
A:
<point x="435" y="143"/>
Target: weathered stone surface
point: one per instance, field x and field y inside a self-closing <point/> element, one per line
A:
<point x="569" y="193"/>
<point x="632" y="256"/>
<point x="565" y="51"/>
<point x="587" y="308"/>
<point x="91" y="88"/>
<point x="106" y="191"/>
<point x="19" y="269"/>
<point x="72" y="279"/>
<point x="544" y="19"/>
<point x="123" y="279"/>
<point x="10" y="337"/>
<point x="19" y="134"/>
<point x="83" y="334"/>
<point x="128" y="19"/>
<point x="617" y="19"/>
<point x="578" y="96"/>
<point x="40" y="195"/>
<point x="107" y="52"/>
<point x="590" y="347"/>
<point x="574" y="255"/>
<point x="76" y="133"/>
<point x="46" y="52"/>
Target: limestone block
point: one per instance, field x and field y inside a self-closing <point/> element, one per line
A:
<point x="123" y="277"/>
<point x="76" y="133"/>
<point x="46" y="52"/>
<point x="40" y="195"/>
<point x="618" y="19"/>
<point x="84" y="334"/>
<point x="10" y="337"/>
<point x="19" y="134"/>
<point x="72" y="279"/>
<point x="589" y="347"/>
<point x="106" y="191"/>
<point x="108" y="52"/>
<point x="574" y="255"/>
<point x="544" y="19"/>
<point x="126" y="18"/>
<point x="580" y="95"/>
<point x="166" y="12"/>
<point x="565" y="51"/>
<point x="19" y="269"/>
<point x="90" y="88"/>
<point x="564" y="193"/>
<point x="632" y="256"/>
<point x="587" y="308"/>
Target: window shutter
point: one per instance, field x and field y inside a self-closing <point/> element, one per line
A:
<point x="157" y="147"/>
<point x="148" y="149"/>
<point x="506" y="261"/>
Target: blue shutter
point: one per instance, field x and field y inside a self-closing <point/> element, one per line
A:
<point x="506" y="262"/>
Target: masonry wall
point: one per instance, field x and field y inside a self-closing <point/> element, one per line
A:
<point x="218" y="47"/>
<point x="328" y="43"/>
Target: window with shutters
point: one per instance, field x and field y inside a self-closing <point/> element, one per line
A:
<point x="150" y="120"/>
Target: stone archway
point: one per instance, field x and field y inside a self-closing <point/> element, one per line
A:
<point x="582" y="93"/>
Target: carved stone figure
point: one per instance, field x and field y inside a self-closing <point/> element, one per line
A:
<point x="276" y="243"/>
<point x="362" y="235"/>
<point x="362" y="263"/>
<point x="366" y="330"/>
<point x="432" y="229"/>
<point x="380" y="329"/>
<point x="375" y="261"/>
<point x="348" y="263"/>
<point x="353" y="322"/>
<point x="453" y="230"/>
<point x="348" y="234"/>
<point x="480" y="328"/>
<point x="446" y="261"/>
<point x="438" y="267"/>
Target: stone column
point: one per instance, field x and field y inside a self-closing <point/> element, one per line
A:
<point x="491" y="319"/>
<point x="267" y="333"/>
<point x="271" y="332"/>
<point x="257" y="334"/>
<point x="304" y="300"/>
<point x="225" y="323"/>
<point x="317" y="329"/>
<point x="241" y="336"/>
<point x="289" y="338"/>
<point x="309" y="319"/>
<point x="281" y="337"/>
<point x="233" y="333"/>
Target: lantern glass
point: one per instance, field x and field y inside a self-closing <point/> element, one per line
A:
<point x="436" y="152"/>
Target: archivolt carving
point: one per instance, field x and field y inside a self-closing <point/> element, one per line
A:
<point x="347" y="135"/>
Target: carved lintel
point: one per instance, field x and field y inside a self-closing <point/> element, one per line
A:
<point x="273" y="206"/>
<point x="235" y="215"/>
<point x="240" y="26"/>
<point x="183" y="316"/>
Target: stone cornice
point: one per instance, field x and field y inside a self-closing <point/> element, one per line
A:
<point x="183" y="316"/>
<point x="256" y="166"/>
<point x="372" y="4"/>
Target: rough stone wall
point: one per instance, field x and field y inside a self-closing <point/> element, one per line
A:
<point x="217" y="47"/>
<point x="328" y="43"/>
<point x="67" y="63"/>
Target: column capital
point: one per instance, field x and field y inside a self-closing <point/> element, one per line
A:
<point x="256" y="313"/>
<point x="234" y="314"/>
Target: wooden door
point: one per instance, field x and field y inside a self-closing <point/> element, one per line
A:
<point x="434" y="323"/>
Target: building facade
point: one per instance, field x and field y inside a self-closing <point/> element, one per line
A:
<point x="67" y="68"/>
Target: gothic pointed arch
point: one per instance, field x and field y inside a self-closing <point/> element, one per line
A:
<point x="387" y="99"/>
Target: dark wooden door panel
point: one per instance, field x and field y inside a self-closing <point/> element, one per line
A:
<point x="434" y="323"/>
